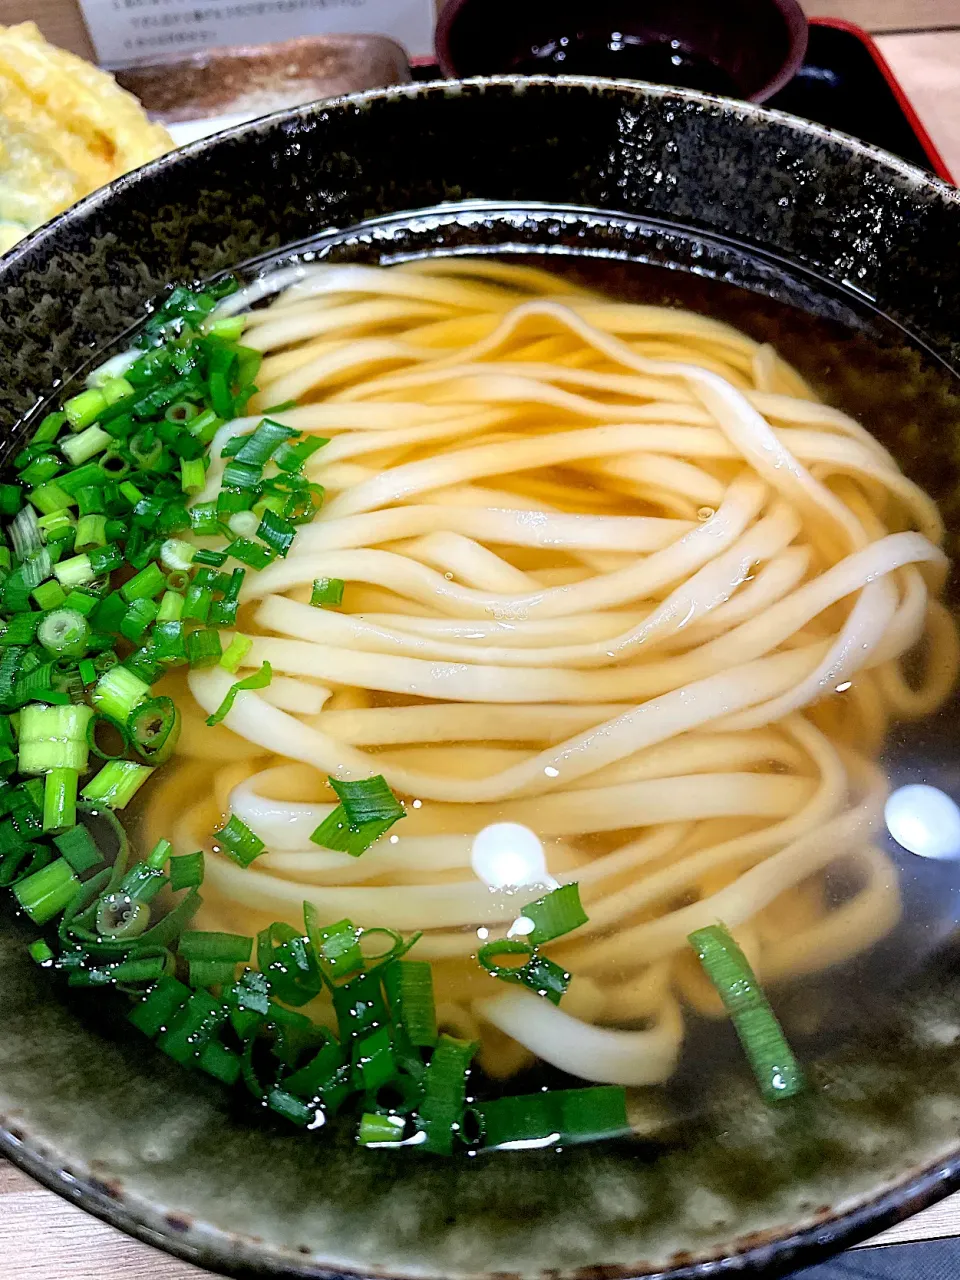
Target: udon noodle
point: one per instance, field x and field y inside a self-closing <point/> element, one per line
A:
<point x="612" y="572"/>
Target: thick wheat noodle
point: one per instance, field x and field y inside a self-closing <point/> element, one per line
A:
<point x="606" y="567"/>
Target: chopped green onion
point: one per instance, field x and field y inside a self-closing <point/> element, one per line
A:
<point x="291" y="457"/>
<point x="203" y="648"/>
<point x="154" y="729"/>
<point x="181" y="411"/>
<point x="171" y="607"/>
<point x="169" y="644"/>
<point x="50" y="497"/>
<point x="290" y="964"/>
<point x="555" y="914"/>
<point x="409" y="988"/>
<point x="239" y="842"/>
<point x="81" y="448"/>
<point x="49" y="595"/>
<point x="276" y="532"/>
<point x="235" y="653"/>
<point x="158" y="1009"/>
<point x="79" y="848"/>
<point x="440" y="1114"/>
<point x="376" y="1128"/>
<point x="338" y="833"/>
<point x="201" y="945"/>
<point x="60" y="799"/>
<point x="47" y="432"/>
<point x="118" y="691"/>
<point x="259" y="447"/>
<point x="251" y="553"/>
<point x="91" y="532"/>
<point x="48" y="891"/>
<point x="243" y="524"/>
<point x="192" y="475"/>
<point x="87" y="672"/>
<point x="119" y="915"/>
<point x="58" y="526"/>
<point x="138" y="618"/>
<point x="554" y="1118"/>
<point x="109" y="613"/>
<point x="116" y="388"/>
<point x="326" y="592"/>
<point x="21" y="629"/>
<point x="204" y="520"/>
<point x="207" y="557"/>
<point x="291" y="1108"/>
<point x="774" y="1065"/>
<point x="159" y="854"/>
<point x="337" y="945"/>
<point x="53" y="737"/>
<point x="94" y="741"/>
<point x="149" y="582"/>
<point x="230" y="328"/>
<point x="186" y="871"/>
<point x="75" y="572"/>
<point x="220" y="1062"/>
<point x="177" y="555"/>
<point x="211" y="973"/>
<point x="374" y="1061"/>
<point x="81" y="602"/>
<point x="192" y="1027"/>
<point x="116" y="784"/>
<point x="196" y="603"/>
<point x="368" y="800"/>
<point x="538" y="974"/>
<point x="41" y="952"/>
<point x="41" y="469"/>
<point x="142" y="882"/>
<point x="258" y="680"/>
<point x="84" y="408"/>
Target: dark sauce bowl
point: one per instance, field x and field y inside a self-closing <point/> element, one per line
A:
<point x="847" y="259"/>
<point x="741" y="49"/>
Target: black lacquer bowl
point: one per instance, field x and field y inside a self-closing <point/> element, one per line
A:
<point x="848" y="259"/>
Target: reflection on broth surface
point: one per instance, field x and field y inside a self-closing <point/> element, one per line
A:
<point x="646" y="584"/>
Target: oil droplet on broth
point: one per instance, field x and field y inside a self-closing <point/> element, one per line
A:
<point x="508" y="855"/>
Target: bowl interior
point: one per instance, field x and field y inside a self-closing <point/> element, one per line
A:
<point x="747" y="49"/>
<point x="711" y="1172"/>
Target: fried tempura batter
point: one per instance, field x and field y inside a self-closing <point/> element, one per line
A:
<point x="66" y="128"/>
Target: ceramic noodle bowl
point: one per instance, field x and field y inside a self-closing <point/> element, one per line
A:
<point x="847" y="260"/>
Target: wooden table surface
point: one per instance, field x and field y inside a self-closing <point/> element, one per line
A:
<point x="43" y="1237"/>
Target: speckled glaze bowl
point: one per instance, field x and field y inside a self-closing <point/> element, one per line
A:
<point x="862" y="251"/>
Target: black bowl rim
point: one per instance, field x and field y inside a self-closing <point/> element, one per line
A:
<point x="917" y="176"/>
<point x="766" y="1253"/>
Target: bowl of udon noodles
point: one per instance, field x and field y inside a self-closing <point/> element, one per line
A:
<point x="479" y="690"/>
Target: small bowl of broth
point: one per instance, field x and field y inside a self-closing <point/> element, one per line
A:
<point x="746" y="49"/>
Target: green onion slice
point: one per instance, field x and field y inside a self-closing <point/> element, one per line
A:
<point x="239" y="842"/>
<point x="121" y="916"/>
<point x="556" y="1118"/>
<point x="101" y="724"/>
<point x="538" y="974"/>
<point x="440" y="1116"/>
<point x="774" y="1065"/>
<point x="154" y="729"/>
<point x="327" y="592"/>
<point x="116" y="784"/>
<point x="258" y="680"/>
<point x="409" y="988"/>
<point x="186" y="871"/>
<point x="555" y="914"/>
